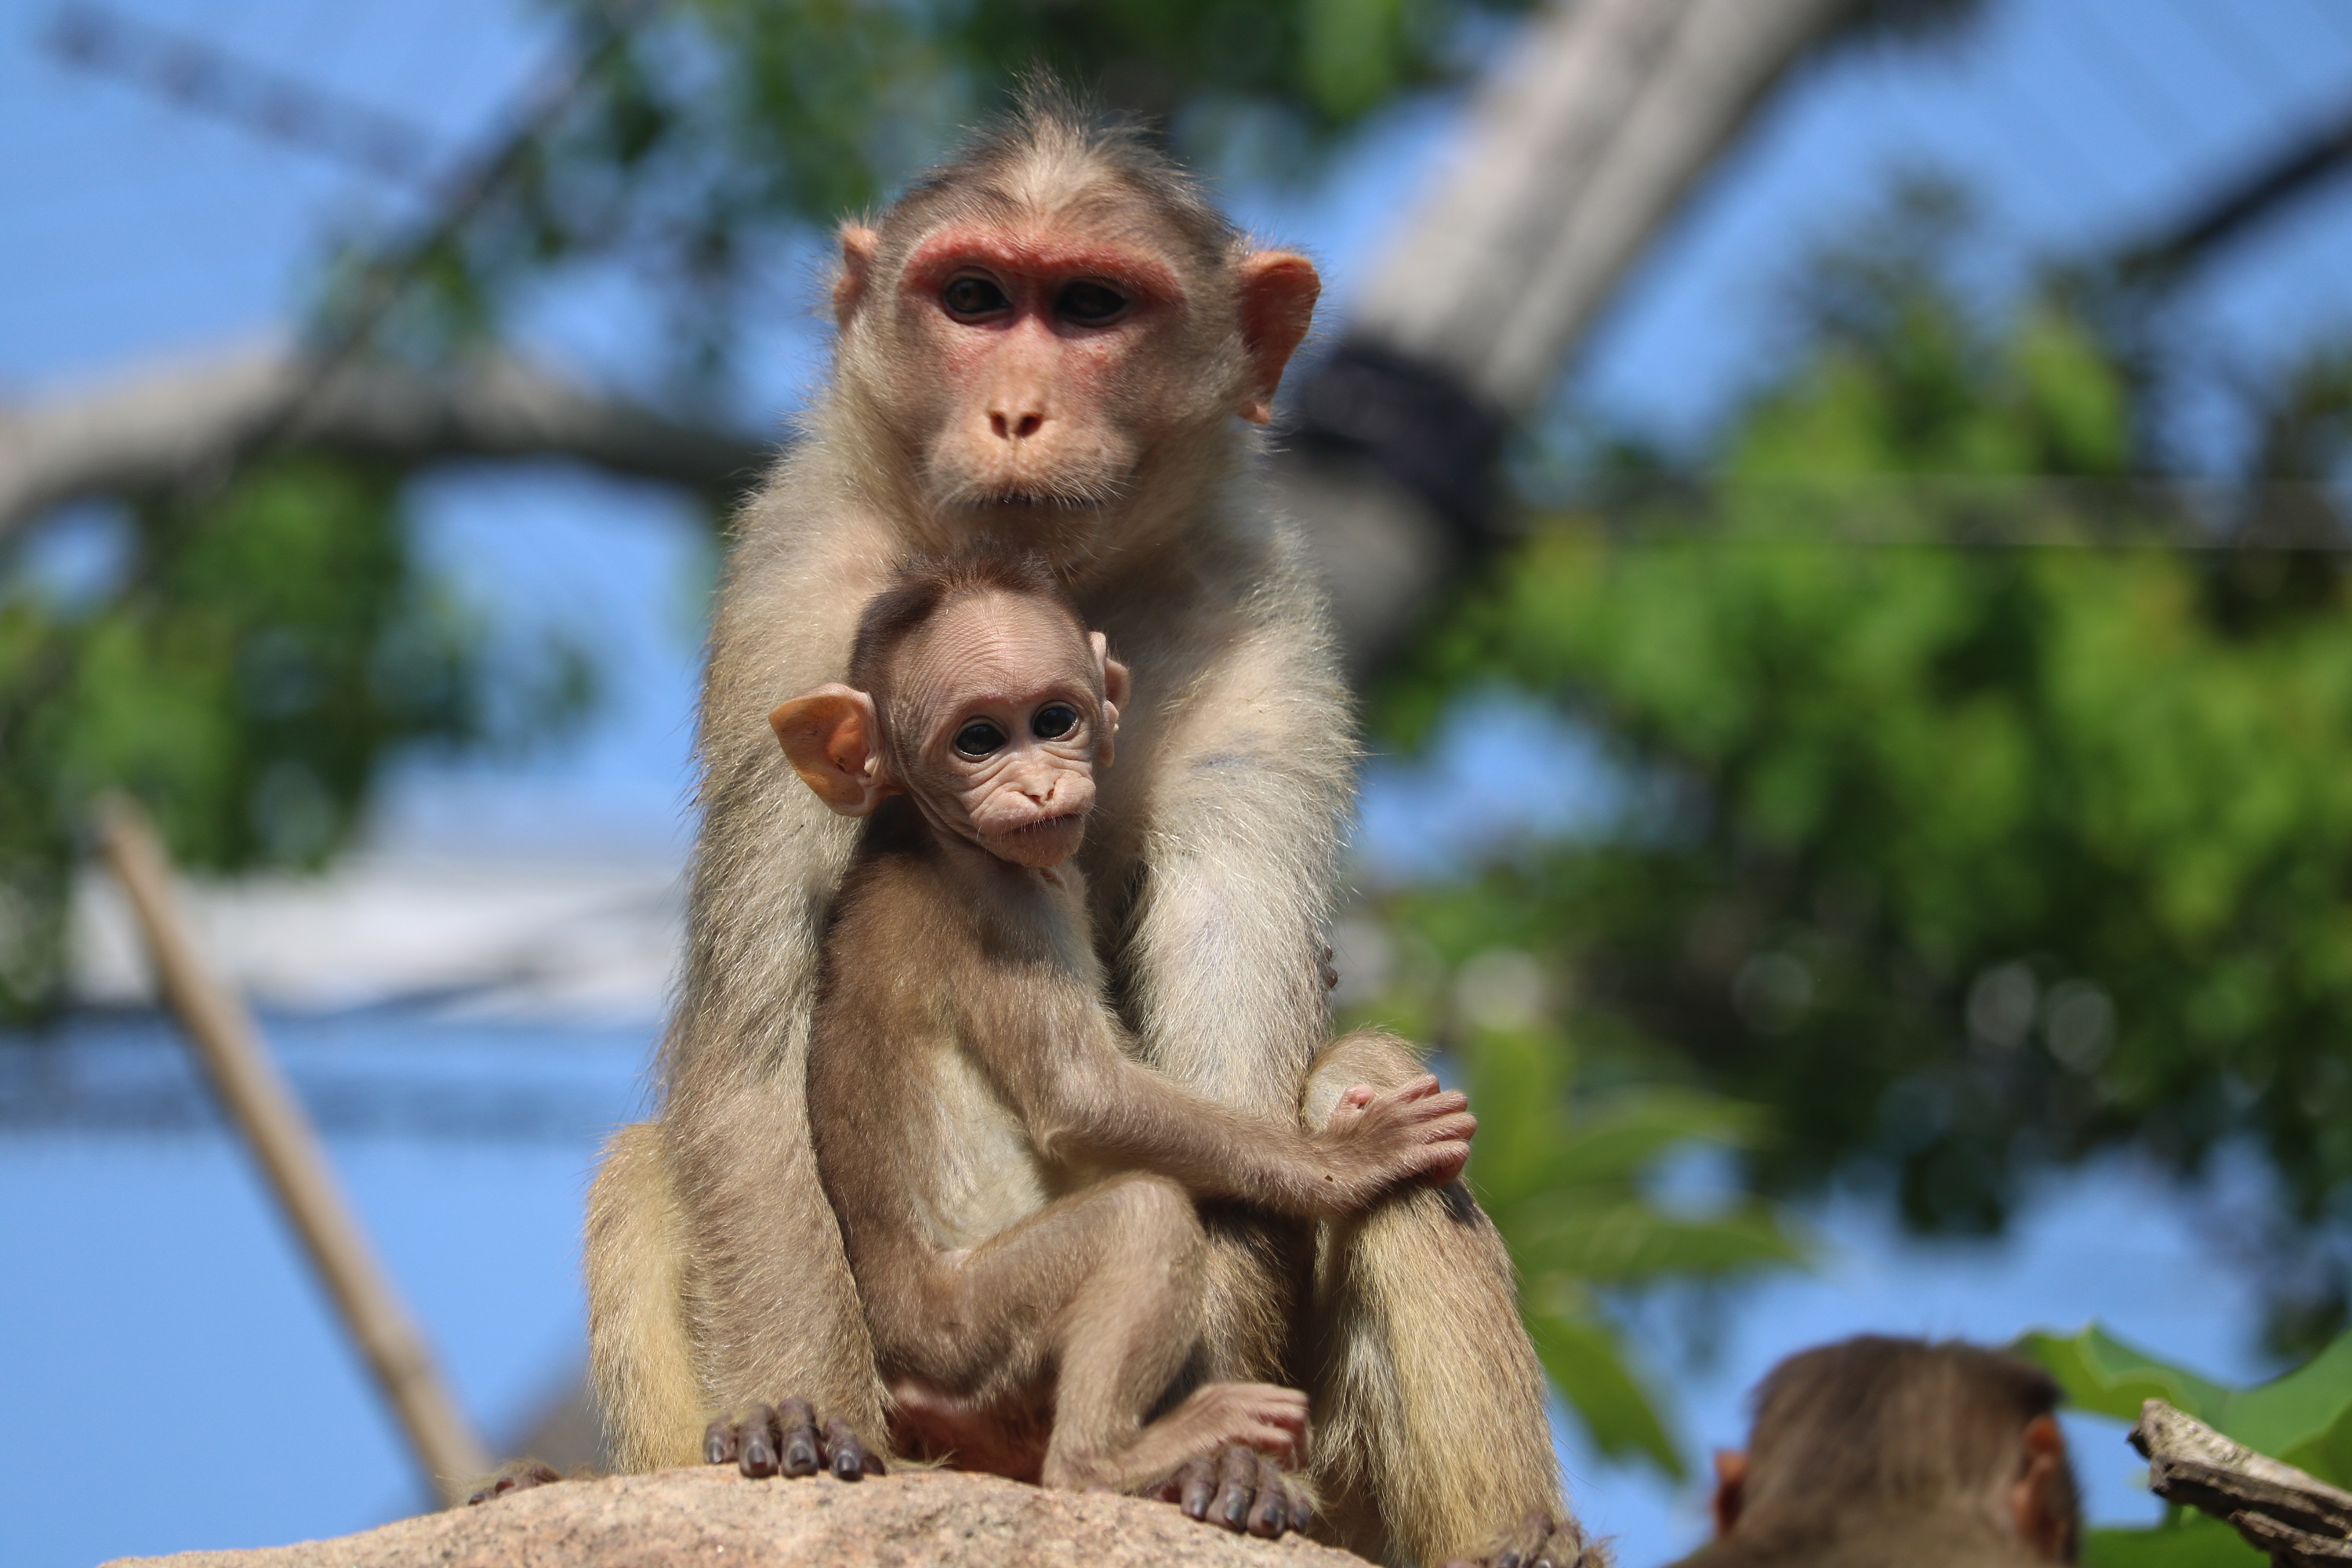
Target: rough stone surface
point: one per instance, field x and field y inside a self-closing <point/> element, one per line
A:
<point x="686" y="1518"/>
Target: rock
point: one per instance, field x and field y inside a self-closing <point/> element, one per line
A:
<point x="713" y="1516"/>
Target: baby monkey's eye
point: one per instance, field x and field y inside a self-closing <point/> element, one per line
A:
<point x="1054" y="720"/>
<point x="979" y="738"/>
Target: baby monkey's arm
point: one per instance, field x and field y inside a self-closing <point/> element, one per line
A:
<point x="1057" y="1053"/>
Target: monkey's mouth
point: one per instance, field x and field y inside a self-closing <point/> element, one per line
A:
<point x="1046" y="827"/>
<point x="1047" y="841"/>
<point x="1034" y="501"/>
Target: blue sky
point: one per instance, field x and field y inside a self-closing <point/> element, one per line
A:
<point x="144" y="1284"/>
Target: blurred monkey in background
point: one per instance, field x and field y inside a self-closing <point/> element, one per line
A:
<point x="1054" y="343"/>
<point x="1891" y="1453"/>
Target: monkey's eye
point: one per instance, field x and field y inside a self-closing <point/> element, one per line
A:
<point x="1054" y="720"/>
<point x="971" y="297"/>
<point x="979" y="738"/>
<point x="1090" y="304"/>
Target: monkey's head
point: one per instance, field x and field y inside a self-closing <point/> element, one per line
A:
<point x="1048" y="325"/>
<point x="976" y="692"/>
<point x="1875" y="1432"/>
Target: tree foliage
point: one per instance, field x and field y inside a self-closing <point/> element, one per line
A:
<point x="713" y="133"/>
<point x="2303" y="1417"/>
<point x="242" y="662"/>
<point x="1972" y="823"/>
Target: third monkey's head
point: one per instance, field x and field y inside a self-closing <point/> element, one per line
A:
<point x="1046" y="340"/>
<point x="977" y="691"/>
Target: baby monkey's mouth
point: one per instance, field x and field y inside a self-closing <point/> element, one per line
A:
<point x="1047" y="841"/>
<point x="1047" y="825"/>
<point x="1035" y="501"/>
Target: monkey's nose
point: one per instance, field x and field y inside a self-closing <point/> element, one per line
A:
<point x="1015" y="426"/>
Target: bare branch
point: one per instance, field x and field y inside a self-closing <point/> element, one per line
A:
<point x="2298" y="1518"/>
<point x="164" y="428"/>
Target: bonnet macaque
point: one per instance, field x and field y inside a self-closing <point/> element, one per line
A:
<point x="1055" y="342"/>
<point x="1893" y="1453"/>
<point x="1016" y="1193"/>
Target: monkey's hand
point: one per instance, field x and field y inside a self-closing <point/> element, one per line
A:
<point x="769" y="1438"/>
<point x="1377" y="1140"/>
<point x="1242" y="1490"/>
<point x="1539" y="1542"/>
<point x="514" y="1476"/>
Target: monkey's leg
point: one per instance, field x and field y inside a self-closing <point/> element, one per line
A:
<point x="639" y="1356"/>
<point x="1431" y="1441"/>
<point x="1101" y="1293"/>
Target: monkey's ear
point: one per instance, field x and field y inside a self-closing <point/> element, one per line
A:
<point x="833" y="740"/>
<point x="1278" y="289"/>
<point x="1115" y="687"/>
<point x="1730" y="1489"/>
<point x="858" y="244"/>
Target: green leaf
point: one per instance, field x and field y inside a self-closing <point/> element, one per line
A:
<point x="2100" y="1373"/>
<point x="2303" y="1417"/>
<point x="1587" y="1366"/>
<point x="2196" y="1541"/>
<point x="1630" y="1242"/>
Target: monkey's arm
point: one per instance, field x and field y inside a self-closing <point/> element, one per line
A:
<point x="1057" y="1053"/>
<point x="1231" y="863"/>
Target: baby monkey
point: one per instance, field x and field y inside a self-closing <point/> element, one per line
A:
<point x="1016" y="1191"/>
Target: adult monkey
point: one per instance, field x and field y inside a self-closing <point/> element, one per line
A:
<point x="1046" y="341"/>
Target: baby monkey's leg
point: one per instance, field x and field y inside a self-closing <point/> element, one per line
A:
<point x="1102" y="1291"/>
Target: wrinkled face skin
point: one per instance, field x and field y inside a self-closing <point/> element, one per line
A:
<point x="1033" y="365"/>
<point x="997" y="713"/>
<point x="997" y="721"/>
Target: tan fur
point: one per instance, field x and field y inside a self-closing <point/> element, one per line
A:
<point x="1417" y="1392"/>
<point x="1211" y="864"/>
<point x="636" y="1244"/>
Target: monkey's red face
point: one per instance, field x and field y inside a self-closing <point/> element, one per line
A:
<point x="1034" y="353"/>
<point x="1000" y="711"/>
<point x="1039" y="367"/>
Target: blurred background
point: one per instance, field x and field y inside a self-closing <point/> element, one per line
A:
<point x="1838" y="509"/>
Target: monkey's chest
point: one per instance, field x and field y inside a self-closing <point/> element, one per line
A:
<point x="984" y="1173"/>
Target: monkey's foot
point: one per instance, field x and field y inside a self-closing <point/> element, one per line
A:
<point x="1539" y="1542"/>
<point x="514" y="1476"/>
<point x="1240" y="1489"/>
<point x="768" y="1438"/>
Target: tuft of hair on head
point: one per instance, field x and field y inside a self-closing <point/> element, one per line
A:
<point x="922" y="586"/>
<point x="1875" y="1419"/>
<point x="1056" y="142"/>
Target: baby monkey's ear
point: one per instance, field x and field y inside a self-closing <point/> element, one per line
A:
<point x="1114" y="685"/>
<point x="834" y="744"/>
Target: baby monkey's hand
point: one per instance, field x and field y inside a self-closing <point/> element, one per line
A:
<point x="1376" y="1141"/>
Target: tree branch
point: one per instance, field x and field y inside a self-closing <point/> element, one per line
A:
<point x="163" y="429"/>
<point x="2298" y="1518"/>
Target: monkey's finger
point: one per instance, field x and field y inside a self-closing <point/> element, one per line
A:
<point x="758" y="1456"/>
<point x="1433" y="1109"/>
<point x="796" y="1437"/>
<point x="1237" y="1478"/>
<point x="849" y="1456"/>
<point x="1196" y="1483"/>
<point x="718" y="1442"/>
<point x="1561" y="1549"/>
<point x="1458" y="1127"/>
<point x="1525" y="1545"/>
<point x="1270" y="1515"/>
<point x="1446" y="1164"/>
<point x="1302" y="1513"/>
